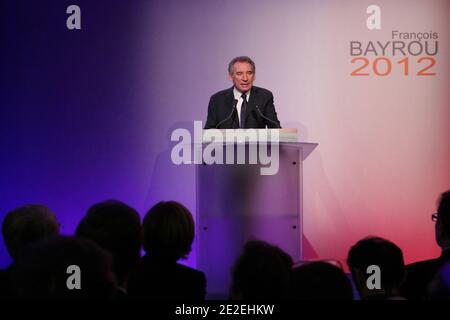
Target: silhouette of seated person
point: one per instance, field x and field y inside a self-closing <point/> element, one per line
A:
<point x="421" y="273"/>
<point x="261" y="272"/>
<point x="22" y="226"/>
<point x="376" y="251"/>
<point x="42" y="271"/>
<point x="116" y="227"/>
<point x="319" y="280"/>
<point x="168" y="235"/>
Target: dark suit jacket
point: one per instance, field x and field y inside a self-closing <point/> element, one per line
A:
<point x="163" y="280"/>
<point x="221" y="105"/>
<point x="420" y="274"/>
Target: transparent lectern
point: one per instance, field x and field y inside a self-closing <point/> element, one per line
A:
<point x="239" y="198"/>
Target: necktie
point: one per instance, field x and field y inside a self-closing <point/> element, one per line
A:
<point x="243" y="107"/>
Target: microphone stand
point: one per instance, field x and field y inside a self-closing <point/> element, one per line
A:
<point x="276" y="123"/>
<point x="231" y="114"/>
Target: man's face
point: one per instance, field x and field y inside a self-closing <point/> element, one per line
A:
<point x="243" y="76"/>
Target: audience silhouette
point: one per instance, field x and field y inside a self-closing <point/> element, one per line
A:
<point x="384" y="254"/>
<point x="319" y="280"/>
<point x="261" y="272"/>
<point x="41" y="270"/>
<point x="107" y="251"/>
<point x="21" y="227"/>
<point x="421" y="273"/>
<point x="168" y="236"/>
<point x="116" y="227"/>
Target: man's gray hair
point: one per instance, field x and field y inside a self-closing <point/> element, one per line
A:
<point x="240" y="59"/>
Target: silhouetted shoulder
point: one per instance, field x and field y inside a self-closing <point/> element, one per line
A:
<point x="419" y="274"/>
<point x="167" y="281"/>
<point x="5" y="283"/>
<point x="182" y="269"/>
<point x="425" y="264"/>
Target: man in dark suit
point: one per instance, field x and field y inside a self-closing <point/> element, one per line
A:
<point x="421" y="273"/>
<point x="243" y="105"/>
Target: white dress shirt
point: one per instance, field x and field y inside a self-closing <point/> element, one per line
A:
<point x="237" y="96"/>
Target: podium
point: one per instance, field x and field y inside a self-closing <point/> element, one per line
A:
<point x="237" y="201"/>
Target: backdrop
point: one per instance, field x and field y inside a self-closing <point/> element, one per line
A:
<point x="86" y="115"/>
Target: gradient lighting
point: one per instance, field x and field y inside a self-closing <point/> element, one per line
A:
<point x="86" y="116"/>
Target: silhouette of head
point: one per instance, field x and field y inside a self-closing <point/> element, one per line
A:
<point x="442" y="227"/>
<point x="42" y="270"/>
<point x="383" y="254"/>
<point x="27" y="224"/>
<point x="261" y="272"/>
<point x="116" y="227"/>
<point x="168" y="231"/>
<point x="319" y="280"/>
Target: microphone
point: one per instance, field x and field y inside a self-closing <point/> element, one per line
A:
<point x="231" y="114"/>
<point x="276" y="123"/>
